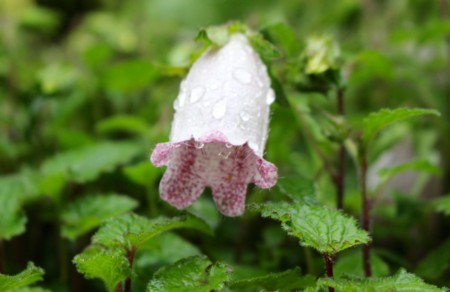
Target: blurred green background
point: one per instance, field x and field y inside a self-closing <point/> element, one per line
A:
<point x="77" y="73"/>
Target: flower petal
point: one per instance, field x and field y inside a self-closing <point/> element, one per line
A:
<point x="230" y="198"/>
<point x="266" y="175"/>
<point x="161" y="154"/>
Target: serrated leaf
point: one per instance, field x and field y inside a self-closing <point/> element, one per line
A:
<point x="109" y="265"/>
<point x="193" y="274"/>
<point x="283" y="281"/>
<point x="86" y="164"/>
<point x="442" y="205"/>
<point x="122" y="123"/>
<point x="375" y="122"/>
<point x="27" y="277"/>
<point x="301" y="190"/>
<point x="130" y="231"/>
<point x="89" y="212"/>
<point x="436" y="262"/>
<point x="415" y="165"/>
<point x="265" y="49"/>
<point x="402" y="281"/>
<point x="326" y="230"/>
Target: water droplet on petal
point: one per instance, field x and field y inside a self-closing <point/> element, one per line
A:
<point x="196" y="94"/>
<point x="176" y="106"/>
<point x="270" y="97"/>
<point x="181" y="99"/>
<point x="244" y="116"/>
<point x="219" y="109"/>
<point x="242" y="76"/>
<point x="228" y="145"/>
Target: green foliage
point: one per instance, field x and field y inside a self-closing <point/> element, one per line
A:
<point x="265" y="49"/>
<point x="376" y="122"/>
<point x="109" y="265"/>
<point x="350" y="263"/>
<point x="436" y="262"/>
<point x="283" y="281"/>
<point x="415" y="165"/>
<point x="123" y="123"/>
<point x="89" y="212"/>
<point x="322" y="54"/>
<point x="402" y="281"/>
<point x="130" y="231"/>
<point x="299" y="190"/>
<point x="326" y="230"/>
<point x="12" y="218"/>
<point x="191" y="274"/>
<point x="442" y="205"/>
<point x="30" y="275"/>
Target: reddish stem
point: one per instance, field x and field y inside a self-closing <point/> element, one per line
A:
<point x="130" y="255"/>
<point x="329" y="265"/>
<point x="365" y="214"/>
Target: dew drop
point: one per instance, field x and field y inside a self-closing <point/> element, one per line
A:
<point x="199" y="145"/>
<point x="270" y="97"/>
<point x="244" y="116"/>
<point x="228" y="145"/>
<point x="242" y="76"/>
<point x="181" y="99"/>
<point x="219" y="109"/>
<point x="196" y="94"/>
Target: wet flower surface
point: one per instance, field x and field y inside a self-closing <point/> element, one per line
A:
<point x="219" y="130"/>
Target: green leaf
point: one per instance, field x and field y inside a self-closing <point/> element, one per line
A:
<point x="89" y="212"/>
<point x="12" y="219"/>
<point x="193" y="274"/>
<point x="402" y="281"/>
<point x="326" y="230"/>
<point x="123" y="123"/>
<point x="350" y="263"/>
<point x="322" y="54"/>
<point x="142" y="173"/>
<point x="109" y="265"/>
<point x="265" y="49"/>
<point x="22" y="184"/>
<point x="282" y="34"/>
<point x="283" y="281"/>
<point x="130" y="231"/>
<point x="442" y="205"/>
<point x="86" y="164"/>
<point x="375" y="122"/>
<point x="301" y="190"/>
<point x="436" y="262"/>
<point x="27" y="277"/>
<point x="415" y="165"/>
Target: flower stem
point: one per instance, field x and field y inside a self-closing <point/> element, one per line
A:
<point x="130" y="255"/>
<point x="342" y="154"/>
<point x="329" y="265"/>
<point x="365" y="213"/>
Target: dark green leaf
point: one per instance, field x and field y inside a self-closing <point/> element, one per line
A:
<point x="415" y="165"/>
<point x="193" y="274"/>
<point x="436" y="262"/>
<point x="123" y="123"/>
<point x="350" y="263"/>
<point x="265" y="49"/>
<point x="282" y="34"/>
<point x="442" y="205"/>
<point x="298" y="189"/>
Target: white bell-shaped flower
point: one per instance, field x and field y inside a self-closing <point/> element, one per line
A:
<point x="220" y="130"/>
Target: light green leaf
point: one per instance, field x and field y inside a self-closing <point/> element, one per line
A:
<point x="326" y="230"/>
<point x="265" y="49"/>
<point x="415" y="165"/>
<point x="12" y="219"/>
<point x="142" y="173"/>
<point x="123" y="123"/>
<point x="193" y="274"/>
<point x="109" y="265"/>
<point x="22" y="184"/>
<point x="402" y="281"/>
<point x="322" y="54"/>
<point x="436" y="262"/>
<point x="27" y="277"/>
<point x="130" y="230"/>
<point x="89" y="212"/>
<point x="375" y="122"/>
<point x="283" y="281"/>
<point x="86" y="164"/>
<point x="301" y="190"/>
<point x="442" y="205"/>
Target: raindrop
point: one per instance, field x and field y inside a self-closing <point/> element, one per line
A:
<point x="219" y="109"/>
<point x="228" y="145"/>
<point x="244" y="116"/>
<point x="181" y="99"/>
<point x="196" y="94"/>
<point x="242" y="76"/>
<point x="270" y="97"/>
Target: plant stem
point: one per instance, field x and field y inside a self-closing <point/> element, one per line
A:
<point x="130" y="255"/>
<point x="365" y="213"/>
<point x="342" y="154"/>
<point x="119" y="287"/>
<point x="329" y="265"/>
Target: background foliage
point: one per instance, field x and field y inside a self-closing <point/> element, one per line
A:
<point x="86" y="91"/>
